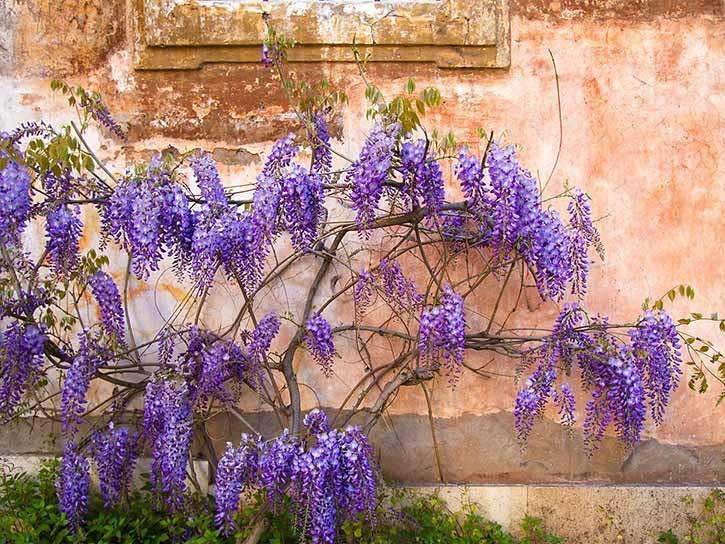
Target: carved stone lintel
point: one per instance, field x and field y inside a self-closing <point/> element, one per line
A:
<point x="184" y="34"/>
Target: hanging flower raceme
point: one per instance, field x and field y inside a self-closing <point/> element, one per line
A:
<point x="73" y="485"/>
<point x="370" y="171"/>
<point x="302" y="203"/>
<point x="14" y="200"/>
<point x="583" y="235"/>
<point x="85" y="364"/>
<point x="21" y="359"/>
<point x="442" y="334"/>
<point x="275" y="466"/>
<point x="321" y="150"/>
<point x="621" y="379"/>
<point x="212" y="367"/>
<point x="150" y="217"/>
<point x="115" y="452"/>
<point x="318" y="339"/>
<point x="63" y="230"/>
<point x="398" y="290"/>
<point x="167" y="427"/>
<point x="333" y="481"/>
<point x="109" y="302"/>
<point x="208" y="180"/>
<point x="237" y="469"/>
<point x="232" y="240"/>
<point x="657" y="354"/>
<point x="328" y="482"/>
<point x="422" y="176"/>
<point x="262" y="336"/>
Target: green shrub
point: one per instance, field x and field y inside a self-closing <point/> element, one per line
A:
<point x="706" y="525"/>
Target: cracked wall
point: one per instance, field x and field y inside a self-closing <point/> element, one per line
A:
<point x="643" y="96"/>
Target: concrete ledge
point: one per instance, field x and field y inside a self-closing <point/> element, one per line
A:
<point x="584" y="514"/>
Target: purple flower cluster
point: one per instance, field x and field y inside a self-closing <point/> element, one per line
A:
<point x="114" y="453"/>
<point x="508" y="206"/>
<point x="63" y="230"/>
<point x="230" y="239"/>
<point x="583" y="235"/>
<point x="442" y="334"/>
<point x="73" y="485"/>
<point x="149" y="216"/>
<point x="14" y="201"/>
<point x="21" y="358"/>
<point x="531" y="401"/>
<point x="167" y="427"/>
<point x="328" y="481"/>
<point x="618" y="398"/>
<point x="262" y="336"/>
<point x="237" y="469"/>
<point x="370" y="171"/>
<point x="99" y="111"/>
<point x="321" y="150"/>
<point x="422" y="176"/>
<point x="320" y="343"/>
<point x="302" y="201"/>
<point x="207" y="179"/>
<point x="622" y="379"/>
<point x="109" y="301"/>
<point x="657" y="354"/>
<point x="77" y="380"/>
<point x="400" y="291"/>
<point x="332" y="481"/>
<point x="363" y="292"/>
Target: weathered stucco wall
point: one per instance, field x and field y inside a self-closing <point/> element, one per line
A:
<point x="643" y="100"/>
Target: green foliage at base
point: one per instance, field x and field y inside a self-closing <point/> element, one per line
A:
<point x="29" y="515"/>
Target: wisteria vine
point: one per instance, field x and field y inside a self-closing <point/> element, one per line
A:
<point x="381" y="230"/>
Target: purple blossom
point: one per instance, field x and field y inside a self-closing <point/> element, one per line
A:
<point x="237" y="468"/>
<point x="73" y="485"/>
<point x="321" y="150"/>
<point x="316" y="422"/>
<point x="471" y="176"/>
<point x="618" y="397"/>
<point x="657" y="354"/>
<point x="207" y="178"/>
<point x="77" y="380"/>
<point x="442" y="334"/>
<point x="262" y="336"/>
<point x="566" y="403"/>
<point x="209" y="364"/>
<point x="115" y="453"/>
<point x="149" y="216"/>
<point x="276" y="465"/>
<point x="331" y="482"/>
<point x="168" y="424"/>
<point x="370" y="171"/>
<point x="21" y="358"/>
<point x="63" y="230"/>
<point x="320" y="343"/>
<point x="109" y="301"/>
<point x="99" y="111"/>
<point x="231" y="240"/>
<point x="583" y="235"/>
<point x="532" y="399"/>
<point x="363" y="293"/>
<point x="302" y="202"/>
<point x="422" y="176"/>
<point x="14" y="200"/>
<point x="399" y="290"/>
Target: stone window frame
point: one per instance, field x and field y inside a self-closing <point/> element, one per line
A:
<point x="185" y="34"/>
